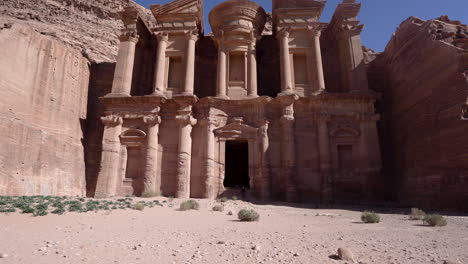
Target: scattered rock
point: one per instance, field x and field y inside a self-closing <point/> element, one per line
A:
<point x="451" y="262"/>
<point x="296" y="254"/>
<point x="3" y="255"/>
<point x="346" y="254"/>
<point x="255" y="247"/>
<point x="230" y="212"/>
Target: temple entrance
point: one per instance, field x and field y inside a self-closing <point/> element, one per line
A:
<point x="237" y="164"/>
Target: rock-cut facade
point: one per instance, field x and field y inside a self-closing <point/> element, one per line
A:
<point x="275" y="104"/>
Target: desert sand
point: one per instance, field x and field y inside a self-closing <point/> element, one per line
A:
<point x="285" y="233"/>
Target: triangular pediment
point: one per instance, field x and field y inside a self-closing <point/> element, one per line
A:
<point x="178" y="7"/>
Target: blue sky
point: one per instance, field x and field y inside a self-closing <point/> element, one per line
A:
<point x="381" y="17"/>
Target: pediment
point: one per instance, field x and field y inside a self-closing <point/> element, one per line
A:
<point x="178" y="7"/>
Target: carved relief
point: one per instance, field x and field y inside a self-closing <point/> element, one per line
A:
<point x="112" y="120"/>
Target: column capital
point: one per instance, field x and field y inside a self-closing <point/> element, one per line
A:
<point x="209" y="121"/>
<point x="315" y="31"/>
<point x="129" y="37"/>
<point x="185" y="119"/>
<point x="152" y="120"/>
<point x="323" y="116"/>
<point x="351" y="29"/>
<point x="283" y="33"/>
<point x="369" y="117"/>
<point x="161" y="36"/>
<point x="112" y="120"/>
<point x="191" y="35"/>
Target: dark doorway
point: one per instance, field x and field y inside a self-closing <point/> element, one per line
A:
<point x="237" y="164"/>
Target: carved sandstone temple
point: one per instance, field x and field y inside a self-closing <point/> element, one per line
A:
<point x="276" y="103"/>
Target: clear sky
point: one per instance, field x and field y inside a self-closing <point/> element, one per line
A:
<point x="381" y="17"/>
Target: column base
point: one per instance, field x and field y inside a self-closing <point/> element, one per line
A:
<point x="286" y="93"/>
<point x="252" y="96"/>
<point x="158" y="93"/>
<point x="222" y="96"/>
<point x="117" y="95"/>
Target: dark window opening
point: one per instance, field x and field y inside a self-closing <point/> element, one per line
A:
<point x="237" y="164"/>
<point x="345" y="157"/>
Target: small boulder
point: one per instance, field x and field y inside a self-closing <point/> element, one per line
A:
<point x="3" y="255"/>
<point x="346" y="254"/>
<point x="451" y="262"/>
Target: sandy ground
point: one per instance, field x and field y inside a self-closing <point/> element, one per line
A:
<point x="284" y="234"/>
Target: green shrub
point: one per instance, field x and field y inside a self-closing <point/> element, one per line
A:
<point x="40" y="213"/>
<point x="140" y="206"/>
<point x="417" y="214"/>
<point x="28" y="210"/>
<point x="234" y="198"/>
<point x="435" y="220"/>
<point x="370" y="217"/>
<point x="58" y="211"/>
<point x="248" y="215"/>
<point x="218" y="208"/>
<point x="189" y="205"/>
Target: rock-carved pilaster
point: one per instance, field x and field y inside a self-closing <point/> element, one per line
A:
<point x="263" y="180"/>
<point x="160" y="69"/>
<point x="288" y="159"/>
<point x="152" y="183"/>
<point x="317" y="56"/>
<point x="324" y="155"/>
<point x="210" y="124"/>
<point x="192" y="38"/>
<point x="285" y="61"/>
<point x="108" y="174"/>
<point x="185" y="121"/>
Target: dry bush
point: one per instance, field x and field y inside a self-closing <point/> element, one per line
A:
<point x="189" y="205"/>
<point x="218" y="208"/>
<point x="370" y="217"/>
<point x="417" y="214"/>
<point x="248" y="215"/>
<point x="435" y="220"/>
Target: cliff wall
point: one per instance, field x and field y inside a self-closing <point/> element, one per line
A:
<point x="423" y="79"/>
<point x="43" y="100"/>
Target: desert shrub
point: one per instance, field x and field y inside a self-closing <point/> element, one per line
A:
<point x="28" y="210"/>
<point x="234" y="198"/>
<point x="58" y="211"/>
<point x="248" y="215"/>
<point x="140" y="206"/>
<point x="189" y="205"/>
<point x="417" y="214"/>
<point x="75" y="206"/>
<point x="370" y="217"/>
<point x="222" y="199"/>
<point x="218" y="208"/>
<point x="435" y="220"/>
<point x="40" y="212"/>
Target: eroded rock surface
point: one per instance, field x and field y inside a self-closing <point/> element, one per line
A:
<point x="90" y="26"/>
<point x="423" y="79"/>
<point x="43" y="100"/>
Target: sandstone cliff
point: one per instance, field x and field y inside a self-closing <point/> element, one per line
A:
<point x="422" y="74"/>
<point x="43" y="99"/>
<point x="89" y="26"/>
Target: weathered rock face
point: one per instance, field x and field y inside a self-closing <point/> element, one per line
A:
<point x="89" y="26"/>
<point x="43" y="99"/>
<point x="422" y="75"/>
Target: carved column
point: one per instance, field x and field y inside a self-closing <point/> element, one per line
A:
<point x="221" y="84"/>
<point x="264" y="181"/>
<point x="285" y="61"/>
<point x="252" y="66"/>
<point x="184" y="152"/>
<point x="209" y="166"/>
<point x="369" y="151"/>
<point x="160" y="69"/>
<point x="288" y="158"/>
<point x="122" y="83"/>
<point x="190" y="64"/>
<point x="318" y="69"/>
<point x="325" y="156"/>
<point x="151" y="182"/>
<point x="108" y="175"/>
